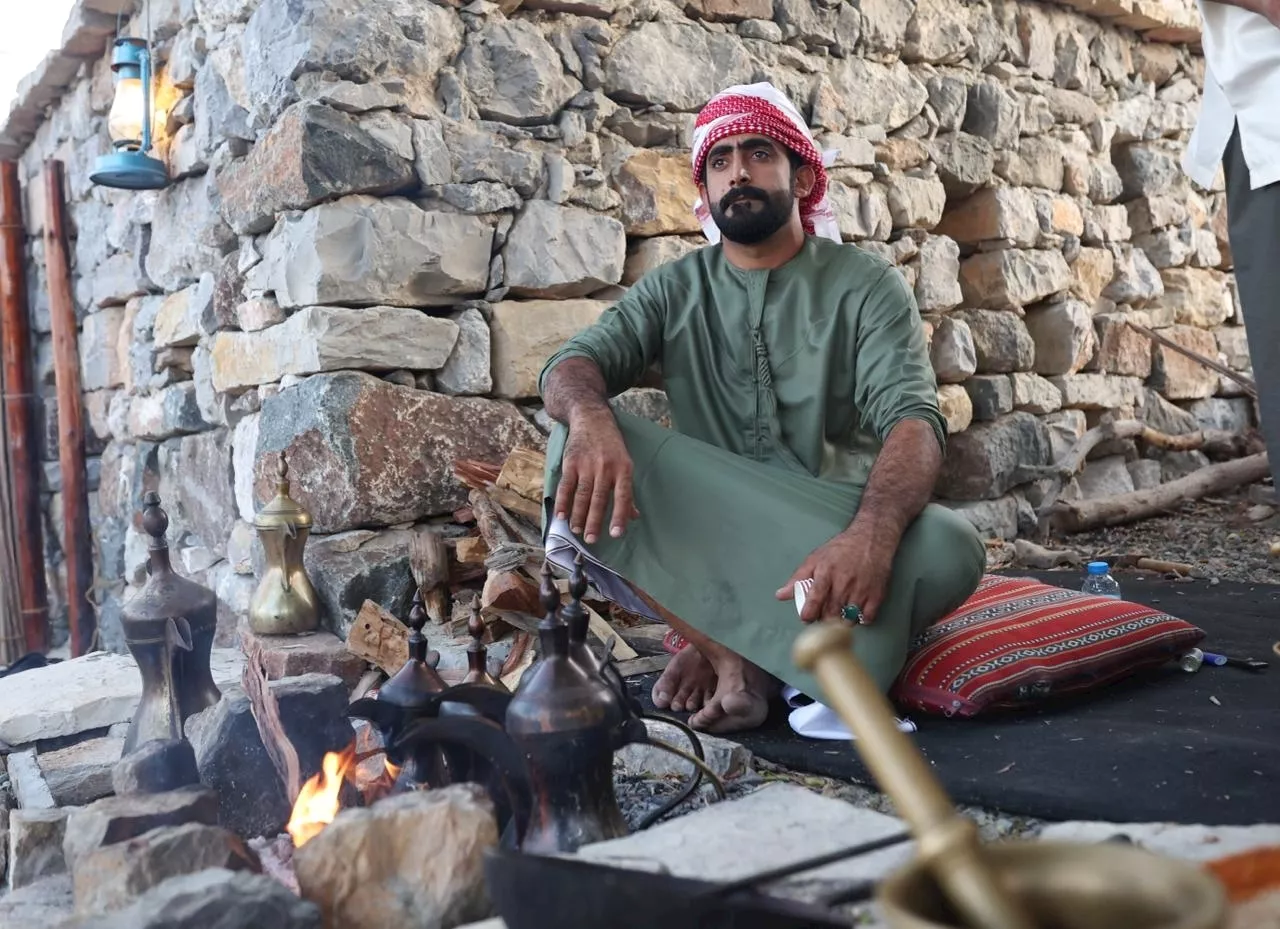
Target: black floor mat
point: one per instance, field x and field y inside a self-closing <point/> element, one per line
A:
<point x="1165" y="747"/>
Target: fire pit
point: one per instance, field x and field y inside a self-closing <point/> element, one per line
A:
<point x="471" y="763"/>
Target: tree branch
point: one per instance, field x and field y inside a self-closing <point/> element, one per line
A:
<point x="1079" y="515"/>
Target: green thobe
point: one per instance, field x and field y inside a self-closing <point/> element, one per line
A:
<point x="783" y="385"/>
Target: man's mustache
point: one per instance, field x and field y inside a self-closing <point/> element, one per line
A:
<point x="743" y="193"/>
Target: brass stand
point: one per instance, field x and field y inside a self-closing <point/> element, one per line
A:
<point x="1006" y="885"/>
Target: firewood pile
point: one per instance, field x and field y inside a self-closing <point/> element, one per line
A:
<point x="496" y="566"/>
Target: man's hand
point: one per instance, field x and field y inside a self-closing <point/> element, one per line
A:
<point x="851" y="569"/>
<point x="595" y="467"/>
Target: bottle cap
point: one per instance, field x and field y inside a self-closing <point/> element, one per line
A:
<point x="1099" y="567"/>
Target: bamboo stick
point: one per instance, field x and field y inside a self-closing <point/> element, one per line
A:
<point x="27" y="537"/>
<point x="66" y="369"/>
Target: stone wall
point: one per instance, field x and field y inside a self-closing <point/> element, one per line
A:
<point x="386" y="215"/>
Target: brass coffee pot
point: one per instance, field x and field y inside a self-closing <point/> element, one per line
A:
<point x="958" y="882"/>
<point x="169" y="628"/>
<point x="285" y="602"/>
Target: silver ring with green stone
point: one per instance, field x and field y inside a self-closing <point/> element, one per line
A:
<point x="851" y="612"/>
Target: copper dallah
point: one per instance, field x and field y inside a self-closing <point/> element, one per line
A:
<point x="169" y="628"/>
<point x="958" y="882"/>
<point x="545" y="752"/>
<point x="285" y="601"/>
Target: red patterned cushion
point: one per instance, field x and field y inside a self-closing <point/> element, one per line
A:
<point x="1017" y="641"/>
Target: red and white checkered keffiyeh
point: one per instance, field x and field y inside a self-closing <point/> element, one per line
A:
<point x="763" y="109"/>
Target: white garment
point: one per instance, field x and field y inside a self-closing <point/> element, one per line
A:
<point x="1241" y="84"/>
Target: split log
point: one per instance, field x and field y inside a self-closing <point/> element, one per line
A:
<point x="512" y="556"/>
<point x="1079" y="515"/>
<point x="429" y="563"/>
<point x="490" y="524"/>
<point x="471" y="550"/>
<point x="646" y="637"/>
<point x="379" y="638"/>
<point x="600" y="628"/>
<point x="464" y="575"/>
<point x="476" y="475"/>
<point x="1209" y="363"/>
<point x="519" y="660"/>
<point x="647" y="665"/>
<point x="266" y="714"/>
<point x="510" y="591"/>
<point x="521" y="528"/>
<point x="524" y="473"/>
<point x="511" y="493"/>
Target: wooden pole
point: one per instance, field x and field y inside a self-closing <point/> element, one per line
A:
<point x="66" y="369"/>
<point x="16" y="388"/>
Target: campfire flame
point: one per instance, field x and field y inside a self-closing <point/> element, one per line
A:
<point x="319" y="799"/>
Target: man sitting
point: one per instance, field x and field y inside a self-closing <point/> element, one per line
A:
<point x="806" y="435"/>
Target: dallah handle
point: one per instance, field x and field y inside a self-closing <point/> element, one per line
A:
<point x="947" y="843"/>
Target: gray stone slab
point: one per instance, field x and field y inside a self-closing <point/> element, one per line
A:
<point x="777" y="825"/>
<point x="35" y="845"/>
<point x="93" y="691"/>
<point x="726" y="758"/>
<point x="81" y="773"/>
<point x="28" y="783"/>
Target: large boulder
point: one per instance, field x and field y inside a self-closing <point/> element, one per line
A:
<point x="364" y="251"/>
<point x="399" y="43"/>
<point x="364" y="452"/>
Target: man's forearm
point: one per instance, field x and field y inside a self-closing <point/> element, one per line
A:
<point x="573" y="387"/>
<point x="901" y="481"/>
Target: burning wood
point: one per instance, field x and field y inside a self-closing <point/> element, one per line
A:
<point x="362" y="768"/>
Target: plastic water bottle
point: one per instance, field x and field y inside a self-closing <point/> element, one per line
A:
<point x="1099" y="581"/>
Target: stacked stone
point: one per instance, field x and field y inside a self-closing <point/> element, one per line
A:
<point x="386" y="216"/>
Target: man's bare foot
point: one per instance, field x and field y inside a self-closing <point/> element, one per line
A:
<point x="687" y="683"/>
<point x="741" y="697"/>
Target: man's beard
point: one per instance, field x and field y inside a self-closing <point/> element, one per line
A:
<point x="751" y="226"/>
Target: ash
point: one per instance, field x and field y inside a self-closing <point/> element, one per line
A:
<point x="276" y="855"/>
<point x="638" y="795"/>
<point x="641" y="794"/>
